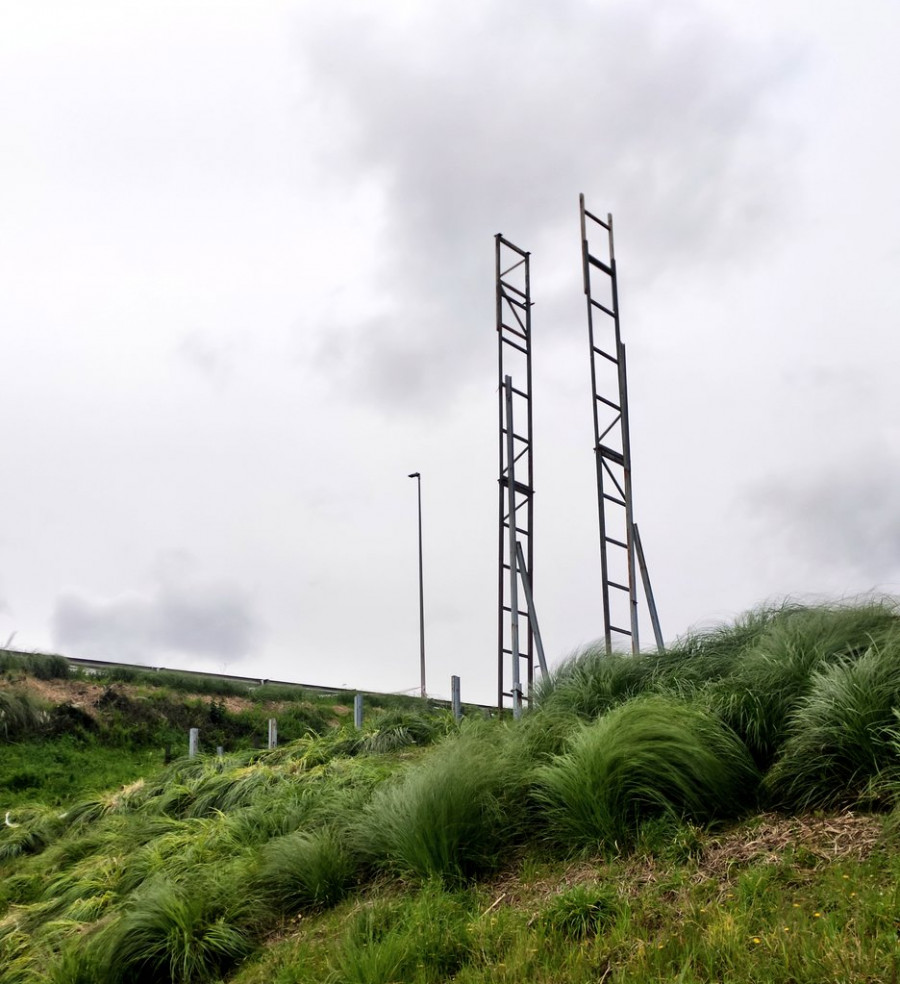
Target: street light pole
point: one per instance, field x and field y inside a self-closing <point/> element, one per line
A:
<point x="418" y="479"/>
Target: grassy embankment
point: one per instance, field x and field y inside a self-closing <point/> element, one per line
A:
<point x="616" y="833"/>
<point x="59" y="725"/>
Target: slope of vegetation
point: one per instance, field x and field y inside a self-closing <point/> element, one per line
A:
<point x="650" y="819"/>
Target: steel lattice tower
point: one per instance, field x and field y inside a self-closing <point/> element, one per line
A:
<point x="619" y="537"/>
<point x="515" y="655"/>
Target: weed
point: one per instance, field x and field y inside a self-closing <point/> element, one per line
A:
<point x="423" y="938"/>
<point x="581" y="912"/>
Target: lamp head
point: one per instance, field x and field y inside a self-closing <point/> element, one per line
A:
<point x="414" y="475"/>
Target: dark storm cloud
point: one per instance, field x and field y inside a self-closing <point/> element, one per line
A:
<point x="845" y="521"/>
<point x="485" y="117"/>
<point x="212" y="620"/>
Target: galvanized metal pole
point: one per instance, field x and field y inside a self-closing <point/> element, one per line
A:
<point x="455" y="697"/>
<point x="532" y="611"/>
<point x="513" y="579"/>
<point x="273" y="733"/>
<point x="418" y="479"/>
<point x="648" y="589"/>
<point x="358" y="710"/>
<point x="193" y="742"/>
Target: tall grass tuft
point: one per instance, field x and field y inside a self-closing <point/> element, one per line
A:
<point x="29" y="831"/>
<point x="76" y="964"/>
<point x="305" y="869"/>
<point x="842" y="733"/>
<point x="775" y="673"/>
<point x="450" y="815"/>
<point x="393" y="730"/>
<point x="423" y="938"/>
<point x="652" y="756"/>
<point x="592" y="681"/>
<point x="172" y="933"/>
<point x="581" y="912"/>
<point x="20" y="715"/>
<point x="710" y="654"/>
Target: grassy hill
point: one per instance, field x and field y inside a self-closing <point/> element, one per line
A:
<point x="723" y="811"/>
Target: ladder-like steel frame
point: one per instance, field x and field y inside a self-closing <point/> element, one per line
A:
<point x="516" y="482"/>
<point x="612" y="445"/>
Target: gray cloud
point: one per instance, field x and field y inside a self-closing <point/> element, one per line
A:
<point x="179" y="616"/>
<point x="846" y="521"/>
<point x="200" y="352"/>
<point x="477" y="118"/>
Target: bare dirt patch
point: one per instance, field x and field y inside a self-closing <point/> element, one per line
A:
<point x="85" y="694"/>
<point x="771" y="839"/>
<point x="844" y="836"/>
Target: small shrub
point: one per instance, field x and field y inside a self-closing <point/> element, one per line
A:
<point x="123" y="674"/>
<point x="48" y="667"/>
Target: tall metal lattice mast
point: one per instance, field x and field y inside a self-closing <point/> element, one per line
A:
<point x="619" y="537"/>
<point x="515" y="654"/>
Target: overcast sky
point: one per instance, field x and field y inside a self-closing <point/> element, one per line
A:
<point x="246" y="286"/>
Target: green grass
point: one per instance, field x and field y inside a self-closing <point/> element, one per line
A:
<point x="652" y="756"/>
<point x="452" y="814"/>
<point x="608" y="835"/>
<point x="64" y="770"/>
<point x="763" y="922"/>
<point x="841" y="736"/>
<point x="581" y="912"/>
<point x="171" y="932"/>
<point x="305" y="869"/>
